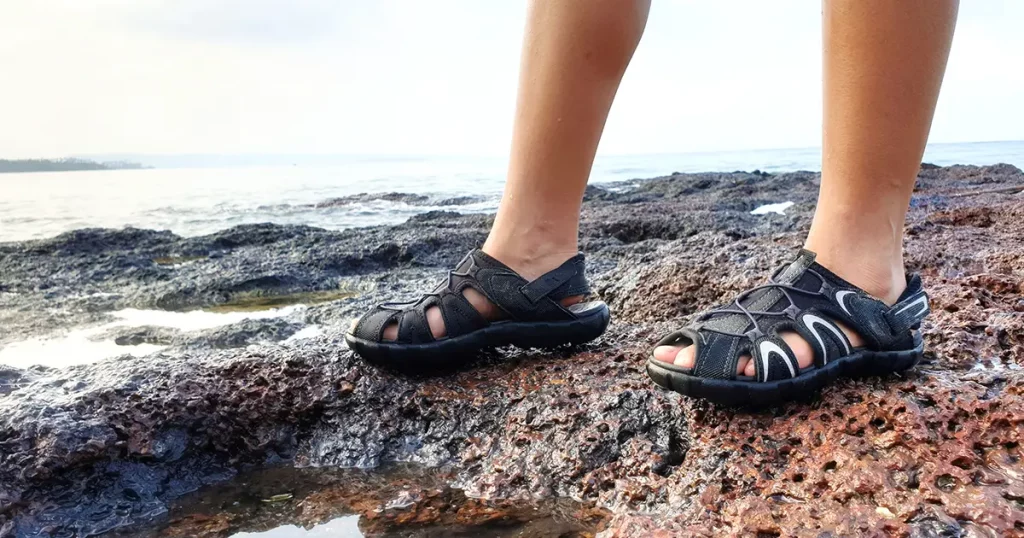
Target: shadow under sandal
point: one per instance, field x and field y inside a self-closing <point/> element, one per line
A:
<point x="805" y="298"/>
<point x="534" y="318"/>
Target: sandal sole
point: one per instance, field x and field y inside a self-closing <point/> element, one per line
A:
<point x="459" y="350"/>
<point x="733" y="393"/>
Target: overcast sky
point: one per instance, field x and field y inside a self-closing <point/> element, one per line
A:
<point x="437" y="77"/>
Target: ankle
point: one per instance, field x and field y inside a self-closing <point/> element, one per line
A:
<point x="530" y="259"/>
<point x="863" y="244"/>
<point x="882" y="275"/>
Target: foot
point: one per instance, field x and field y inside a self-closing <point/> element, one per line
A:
<point x="533" y="305"/>
<point x="684" y="357"/>
<point x="528" y="268"/>
<point x="893" y="283"/>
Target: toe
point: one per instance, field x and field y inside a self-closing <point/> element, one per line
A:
<point x="436" y="322"/>
<point x="685" y="357"/>
<point x="666" y="353"/>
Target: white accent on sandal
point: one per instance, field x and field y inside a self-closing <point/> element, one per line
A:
<point x="841" y="298"/>
<point x="922" y="300"/>
<point x="767" y="347"/>
<point x="812" y="322"/>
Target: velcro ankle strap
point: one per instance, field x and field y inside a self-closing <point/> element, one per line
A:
<point x="908" y="313"/>
<point x="549" y="282"/>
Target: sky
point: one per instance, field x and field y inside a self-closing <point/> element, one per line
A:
<point x="81" y="77"/>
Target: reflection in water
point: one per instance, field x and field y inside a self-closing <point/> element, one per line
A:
<point x="261" y="302"/>
<point x="400" y="501"/>
<point x="343" y="527"/>
<point x="82" y="345"/>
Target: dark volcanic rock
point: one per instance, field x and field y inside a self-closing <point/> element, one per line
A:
<point x="403" y="197"/>
<point x="12" y="379"/>
<point x="241" y="334"/>
<point x="109" y="445"/>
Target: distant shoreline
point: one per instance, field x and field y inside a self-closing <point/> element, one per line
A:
<point x="63" y="165"/>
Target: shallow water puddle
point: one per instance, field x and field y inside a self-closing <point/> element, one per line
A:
<point x="196" y="320"/>
<point x="256" y="303"/>
<point x="402" y="501"/>
<point x="75" y="347"/>
<point x="177" y="260"/>
<point x="81" y="346"/>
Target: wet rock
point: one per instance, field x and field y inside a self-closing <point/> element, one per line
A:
<point x="936" y="452"/>
<point x="404" y="197"/>
<point x="241" y="334"/>
<point x="133" y="336"/>
<point x="245" y="333"/>
<point x="12" y="379"/>
<point x="460" y="200"/>
<point x="401" y="197"/>
<point x="980" y="217"/>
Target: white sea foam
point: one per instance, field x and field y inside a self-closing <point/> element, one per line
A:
<point x="342" y="527"/>
<point x="307" y="332"/>
<point x="779" y="208"/>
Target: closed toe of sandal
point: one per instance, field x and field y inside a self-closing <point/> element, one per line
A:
<point x="808" y="299"/>
<point x="533" y="316"/>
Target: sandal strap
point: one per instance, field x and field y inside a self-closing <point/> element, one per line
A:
<point x="828" y="342"/>
<point x="910" y="310"/>
<point x="413" y="326"/>
<point x="460" y="317"/>
<point x="774" y="360"/>
<point x="567" y="280"/>
<point x="520" y="299"/>
<point x="716" y="355"/>
<point x="523" y="300"/>
<point x="371" y="326"/>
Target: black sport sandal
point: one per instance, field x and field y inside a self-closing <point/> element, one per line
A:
<point x="808" y="299"/>
<point x="534" y="318"/>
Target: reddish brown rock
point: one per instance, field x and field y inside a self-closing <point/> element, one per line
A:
<point x="936" y="453"/>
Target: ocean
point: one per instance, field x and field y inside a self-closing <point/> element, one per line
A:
<point x="200" y="200"/>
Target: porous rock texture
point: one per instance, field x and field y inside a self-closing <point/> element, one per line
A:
<point x="91" y="448"/>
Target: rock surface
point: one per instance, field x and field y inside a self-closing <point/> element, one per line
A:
<point x="91" y="448"/>
<point x="406" y="502"/>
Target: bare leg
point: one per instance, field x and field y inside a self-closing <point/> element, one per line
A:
<point x="883" y="69"/>
<point x="884" y="62"/>
<point x="574" y="55"/>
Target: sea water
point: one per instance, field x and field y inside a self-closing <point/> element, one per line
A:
<point x="195" y="201"/>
